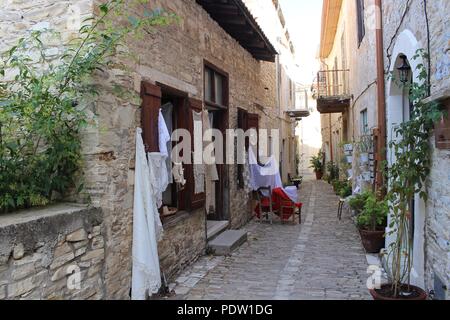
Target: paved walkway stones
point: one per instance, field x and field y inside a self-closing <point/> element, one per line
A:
<point x="320" y="259"/>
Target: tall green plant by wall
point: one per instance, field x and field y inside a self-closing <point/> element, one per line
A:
<point x="407" y="176"/>
<point x="42" y="99"/>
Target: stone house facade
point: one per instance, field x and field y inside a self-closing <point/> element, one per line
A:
<point x="348" y="60"/>
<point x="407" y="27"/>
<point x="171" y="66"/>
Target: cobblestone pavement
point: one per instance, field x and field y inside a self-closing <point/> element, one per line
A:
<point x="320" y="259"/>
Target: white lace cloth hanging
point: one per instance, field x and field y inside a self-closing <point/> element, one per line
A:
<point x="147" y="227"/>
<point x="159" y="179"/>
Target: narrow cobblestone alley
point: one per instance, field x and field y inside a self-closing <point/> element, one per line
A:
<point x="320" y="259"/>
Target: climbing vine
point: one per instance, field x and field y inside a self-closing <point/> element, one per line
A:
<point x="43" y="96"/>
<point x="408" y="174"/>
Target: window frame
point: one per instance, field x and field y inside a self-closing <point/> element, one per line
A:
<point x="361" y="26"/>
<point x="364" y="127"/>
<point x="152" y="94"/>
<point x="214" y="70"/>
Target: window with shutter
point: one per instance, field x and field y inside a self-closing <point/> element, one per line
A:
<point x="153" y="96"/>
<point x="194" y="201"/>
<point x="246" y="121"/>
<point x="361" y="26"/>
<point x="442" y="129"/>
<point x="151" y="103"/>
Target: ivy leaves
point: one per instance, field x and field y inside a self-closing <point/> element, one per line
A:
<point x="412" y="166"/>
<point x="42" y="99"/>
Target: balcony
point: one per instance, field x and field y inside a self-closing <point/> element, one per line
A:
<point x="333" y="94"/>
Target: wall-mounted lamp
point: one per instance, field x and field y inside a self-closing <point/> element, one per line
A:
<point x="404" y="70"/>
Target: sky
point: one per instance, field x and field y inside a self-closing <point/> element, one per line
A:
<point x="303" y="20"/>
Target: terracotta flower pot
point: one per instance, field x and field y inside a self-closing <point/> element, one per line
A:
<point x="385" y="293"/>
<point x="319" y="175"/>
<point x="373" y="241"/>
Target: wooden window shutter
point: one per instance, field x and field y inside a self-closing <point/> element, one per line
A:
<point x="194" y="201"/>
<point x="253" y="121"/>
<point x="151" y="103"/>
<point x="442" y="129"/>
<point x="242" y="124"/>
<point x="361" y="23"/>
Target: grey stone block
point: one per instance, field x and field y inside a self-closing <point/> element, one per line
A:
<point x="228" y="241"/>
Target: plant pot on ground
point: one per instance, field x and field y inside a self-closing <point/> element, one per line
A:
<point x="407" y="177"/>
<point x="317" y="165"/>
<point x="371" y="223"/>
<point x="319" y="175"/>
<point x="407" y="292"/>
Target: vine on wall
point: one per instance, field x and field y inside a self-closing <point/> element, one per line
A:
<point x="407" y="175"/>
<point x="42" y="99"/>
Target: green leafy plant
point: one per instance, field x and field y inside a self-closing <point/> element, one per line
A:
<point x="374" y="213"/>
<point x="346" y="190"/>
<point x="358" y="201"/>
<point x="332" y="171"/>
<point x="317" y="162"/>
<point x="42" y="99"/>
<point x="408" y="174"/>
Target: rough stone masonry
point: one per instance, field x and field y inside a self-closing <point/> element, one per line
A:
<point x="56" y="252"/>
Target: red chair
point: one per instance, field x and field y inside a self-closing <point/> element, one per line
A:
<point x="264" y="204"/>
<point x="285" y="207"/>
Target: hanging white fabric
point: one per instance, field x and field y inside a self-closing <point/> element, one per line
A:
<point x="167" y="112"/>
<point x="267" y="175"/>
<point x="164" y="136"/>
<point x="146" y="274"/>
<point x="159" y="179"/>
<point x="198" y="166"/>
<point x="211" y="167"/>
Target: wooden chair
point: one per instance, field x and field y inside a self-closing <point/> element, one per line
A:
<point x="340" y="208"/>
<point x="265" y="204"/>
<point x="288" y="211"/>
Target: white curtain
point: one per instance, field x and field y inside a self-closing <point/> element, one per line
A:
<point x="146" y="274"/>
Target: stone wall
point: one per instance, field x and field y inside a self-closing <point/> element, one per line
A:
<point x="52" y="253"/>
<point x="183" y="241"/>
<point x="436" y="213"/>
<point x="360" y="59"/>
<point x="174" y="56"/>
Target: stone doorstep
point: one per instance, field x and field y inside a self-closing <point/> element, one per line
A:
<point x="215" y="228"/>
<point x="227" y="242"/>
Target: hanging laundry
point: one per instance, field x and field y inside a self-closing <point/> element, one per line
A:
<point x="263" y="176"/>
<point x="167" y="112"/>
<point x="147" y="229"/>
<point x="159" y="178"/>
<point x="178" y="173"/>
<point x="164" y="136"/>
<point x="211" y="168"/>
<point x="247" y="176"/>
<point x="198" y="166"/>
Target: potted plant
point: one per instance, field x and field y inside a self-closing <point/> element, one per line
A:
<point x="317" y="165"/>
<point x="332" y="172"/>
<point x="407" y="176"/>
<point x="358" y="201"/>
<point x="372" y="222"/>
<point x="346" y="190"/>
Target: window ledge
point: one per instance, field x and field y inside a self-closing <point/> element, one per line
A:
<point x="439" y="96"/>
<point x="172" y="221"/>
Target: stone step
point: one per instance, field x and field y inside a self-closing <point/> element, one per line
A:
<point x="215" y="228"/>
<point x="227" y="242"/>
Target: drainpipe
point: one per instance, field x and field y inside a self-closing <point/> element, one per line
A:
<point x="331" y="139"/>
<point x="380" y="94"/>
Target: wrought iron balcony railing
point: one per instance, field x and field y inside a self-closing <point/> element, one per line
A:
<point x="333" y="83"/>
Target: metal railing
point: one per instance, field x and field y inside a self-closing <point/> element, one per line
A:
<point x="333" y="83"/>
